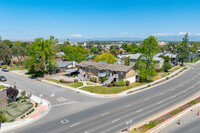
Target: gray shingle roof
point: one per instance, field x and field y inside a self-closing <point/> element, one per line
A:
<point x="105" y="66"/>
<point x="64" y="64"/>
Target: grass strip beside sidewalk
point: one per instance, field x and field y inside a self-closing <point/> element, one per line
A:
<point x="164" y="117"/>
<point x="75" y="84"/>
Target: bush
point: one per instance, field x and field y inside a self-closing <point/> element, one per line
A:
<point x="91" y="79"/>
<point x="36" y="104"/>
<point x="3" y="118"/>
<point x="121" y="83"/>
<point x="114" y="84"/>
<point x="127" y="83"/>
<point x="167" y="66"/>
<point x="167" y="78"/>
<point x="148" y="85"/>
<point x="75" y="80"/>
<point x="66" y="81"/>
<point x="110" y="85"/>
<point x="104" y="79"/>
<point x="95" y="80"/>
<point x="4" y="66"/>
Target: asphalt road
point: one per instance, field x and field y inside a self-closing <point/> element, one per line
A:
<point x="96" y="115"/>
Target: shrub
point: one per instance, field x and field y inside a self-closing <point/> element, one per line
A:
<point x="121" y="83"/>
<point x="114" y="84"/>
<point x="66" y="81"/>
<point x="3" y="118"/>
<point x="167" y="66"/>
<point x="127" y="83"/>
<point x="167" y="78"/>
<point x="104" y="79"/>
<point x="75" y="80"/>
<point x="110" y="85"/>
<point x="90" y="79"/>
<point x="95" y="80"/>
<point x="36" y="104"/>
<point x="148" y="85"/>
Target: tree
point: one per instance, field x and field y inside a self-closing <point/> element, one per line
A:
<point x="5" y="53"/>
<point x="127" y="61"/>
<point x="183" y="49"/>
<point x="0" y="39"/>
<point x="42" y="55"/>
<point x="18" y="51"/>
<point x="124" y="46"/>
<point x="171" y="47"/>
<point x="23" y="94"/>
<point x="94" y="50"/>
<point x="12" y="92"/>
<point x="74" y="53"/>
<point x="8" y="42"/>
<point x="130" y="49"/>
<point x="90" y="45"/>
<point x="167" y="66"/>
<point x="106" y="57"/>
<point x="146" y="64"/>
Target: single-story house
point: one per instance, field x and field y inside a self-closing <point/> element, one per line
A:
<point x="134" y="57"/>
<point x="174" y="57"/>
<point x="113" y="72"/>
<point x="90" y="57"/>
<point x="16" y="59"/>
<point x="3" y="98"/>
<point x="63" y="65"/>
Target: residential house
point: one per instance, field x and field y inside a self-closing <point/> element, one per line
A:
<point x="64" y="65"/>
<point x="173" y="57"/>
<point x="134" y="57"/>
<point x="3" y="98"/>
<point x="90" y="57"/>
<point x="113" y="72"/>
<point x="17" y="59"/>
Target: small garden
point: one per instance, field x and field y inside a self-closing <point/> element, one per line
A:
<point x="165" y="117"/>
<point x="18" y="105"/>
<point x="74" y="84"/>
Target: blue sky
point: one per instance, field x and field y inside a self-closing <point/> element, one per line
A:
<point x="87" y="19"/>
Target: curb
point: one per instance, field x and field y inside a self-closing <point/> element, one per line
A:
<point x="41" y="112"/>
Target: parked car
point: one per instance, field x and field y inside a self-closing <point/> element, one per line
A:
<point x="2" y="78"/>
<point x="5" y="70"/>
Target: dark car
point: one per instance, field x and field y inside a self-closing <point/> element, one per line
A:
<point x="5" y="70"/>
<point x="2" y="78"/>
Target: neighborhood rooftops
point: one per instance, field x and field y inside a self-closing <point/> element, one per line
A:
<point x="105" y="66"/>
<point x="137" y="56"/>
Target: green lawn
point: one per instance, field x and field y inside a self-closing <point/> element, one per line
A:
<point x="16" y="68"/>
<point x="14" y="110"/>
<point x="2" y="87"/>
<point x="110" y="90"/>
<point x="75" y="85"/>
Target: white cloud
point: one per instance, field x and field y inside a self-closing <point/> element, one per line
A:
<point x="172" y="34"/>
<point x="77" y="35"/>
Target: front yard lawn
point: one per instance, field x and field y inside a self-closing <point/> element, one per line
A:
<point x="2" y="87"/>
<point x="75" y="84"/>
<point x="14" y="110"/>
<point x="110" y="90"/>
<point x="16" y="68"/>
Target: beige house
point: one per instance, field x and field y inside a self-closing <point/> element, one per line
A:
<point x="113" y="72"/>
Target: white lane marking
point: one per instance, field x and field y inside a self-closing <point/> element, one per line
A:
<point x="159" y="102"/>
<point x="63" y="104"/>
<point x="64" y="121"/>
<point x="74" y="125"/>
<point x="115" y="120"/>
<point x="105" y="114"/>
<point x="128" y="105"/>
<point x="161" y="94"/>
<point x="146" y="99"/>
<point x="140" y="110"/>
<point x="61" y="99"/>
<point x="52" y="94"/>
<point x="173" y="96"/>
<point x="87" y="132"/>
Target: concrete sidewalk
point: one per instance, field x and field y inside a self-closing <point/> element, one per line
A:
<point x="184" y="121"/>
<point x="43" y="110"/>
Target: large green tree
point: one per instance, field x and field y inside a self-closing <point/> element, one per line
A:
<point x="5" y="53"/>
<point x="183" y="49"/>
<point x="19" y="51"/>
<point x="8" y="42"/>
<point x="74" y="53"/>
<point x="106" y="57"/>
<point x="42" y="55"/>
<point x="146" y="64"/>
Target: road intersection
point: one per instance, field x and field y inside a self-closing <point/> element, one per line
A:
<point x="89" y="114"/>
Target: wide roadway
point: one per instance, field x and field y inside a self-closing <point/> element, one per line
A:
<point x="86" y="114"/>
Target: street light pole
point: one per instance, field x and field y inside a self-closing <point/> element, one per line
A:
<point x="41" y="95"/>
<point x="128" y="123"/>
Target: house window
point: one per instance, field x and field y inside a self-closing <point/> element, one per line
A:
<point x="88" y="70"/>
<point x="121" y="73"/>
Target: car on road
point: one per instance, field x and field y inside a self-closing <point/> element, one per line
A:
<point x="5" y="70"/>
<point x="2" y="78"/>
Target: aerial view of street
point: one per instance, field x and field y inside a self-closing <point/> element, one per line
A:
<point x="91" y="66"/>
